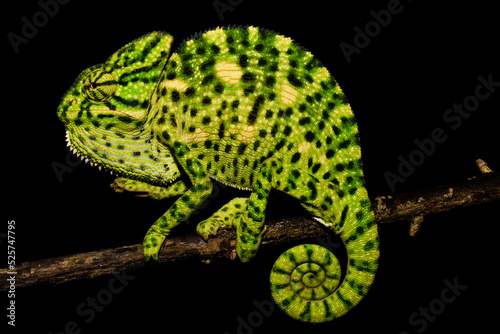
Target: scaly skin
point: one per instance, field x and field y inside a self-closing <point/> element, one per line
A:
<point x="252" y="109"/>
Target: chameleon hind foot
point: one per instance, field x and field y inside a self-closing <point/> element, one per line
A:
<point x="226" y="217"/>
<point x="235" y="214"/>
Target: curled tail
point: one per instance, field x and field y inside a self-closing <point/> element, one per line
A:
<point x="305" y="279"/>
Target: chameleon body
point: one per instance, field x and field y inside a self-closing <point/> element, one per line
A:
<point x="254" y="110"/>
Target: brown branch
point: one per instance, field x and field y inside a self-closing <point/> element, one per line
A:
<point x="410" y="207"/>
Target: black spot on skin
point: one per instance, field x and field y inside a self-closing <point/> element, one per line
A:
<point x="243" y="61"/>
<point x="294" y="81"/>
<point x="287" y="131"/>
<point x="304" y="121"/>
<point x="221" y="130"/>
<point x="336" y="130"/>
<point x="190" y="92"/>
<point x="235" y="104"/>
<point x="248" y="77"/>
<point x="207" y="64"/>
<point x="343" y="216"/>
<point x="206" y="120"/>
<point x="242" y="148"/>
<point x="270" y="81"/>
<point x="309" y="136"/>
<point x="175" y="96"/>
<point x="206" y="100"/>
<point x="344" y="144"/>
<point x="275" y="52"/>
<point x="280" y="144"/>
<point x="295" y="158"/>
<point x="330" y="153"/>
<point x="274" y="130"/>
<point x="187" y="71"/>
<point x="207" y="79"/>
<point x="314" y="191"/>
<point x="269" y="114"/>
<point x="219" y="88"/>
<point x="173" y="121"/>
<point x="316" y="167"/>
<point x="340" y="167"/>
<point x="215" y="49"/>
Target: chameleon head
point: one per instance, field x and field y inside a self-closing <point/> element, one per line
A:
<point x="106" y="111"/>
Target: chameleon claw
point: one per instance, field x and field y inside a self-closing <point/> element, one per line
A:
<point x="152" y="245"/>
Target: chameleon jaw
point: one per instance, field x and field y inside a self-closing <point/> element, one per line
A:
<point x="82" y="156"/>
<point x="161" y="168"/>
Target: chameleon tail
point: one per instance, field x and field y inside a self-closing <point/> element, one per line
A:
<point x="305" y="279"/>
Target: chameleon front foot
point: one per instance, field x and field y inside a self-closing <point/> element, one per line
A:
<point x="151" y="245"/>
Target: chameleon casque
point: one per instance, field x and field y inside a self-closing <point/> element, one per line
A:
<point x="252" y="109"/>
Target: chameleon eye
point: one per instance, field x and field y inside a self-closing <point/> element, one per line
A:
<point x="99" y="86"/>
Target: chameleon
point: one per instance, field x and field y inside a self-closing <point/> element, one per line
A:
<point x="250" y="108"/>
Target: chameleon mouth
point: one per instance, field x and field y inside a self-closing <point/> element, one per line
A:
<point x="84" y="158"/>
<point x="150" y="164"/>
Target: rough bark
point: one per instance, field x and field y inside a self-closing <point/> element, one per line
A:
<point x="405" y="207"/>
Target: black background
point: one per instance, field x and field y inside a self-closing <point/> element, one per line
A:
<point x="426" y="59"/>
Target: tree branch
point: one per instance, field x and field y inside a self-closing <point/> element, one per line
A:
<point x="405" y="207"/>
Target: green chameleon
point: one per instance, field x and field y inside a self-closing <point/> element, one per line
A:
<point x="251" y="109"/>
